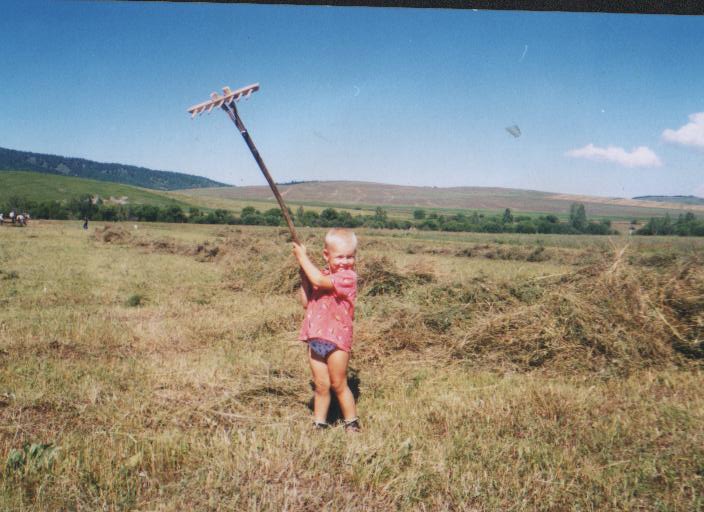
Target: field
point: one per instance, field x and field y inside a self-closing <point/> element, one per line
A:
<point x="155" y="367"/>
<point x="404" y="199"/>
<point x="48" y="187"/>
<point x="363" y="198"/>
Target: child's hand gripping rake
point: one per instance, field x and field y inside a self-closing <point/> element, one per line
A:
<point x="227" y="103"/>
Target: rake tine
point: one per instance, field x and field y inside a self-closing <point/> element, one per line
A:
<point x="227" y="103"/>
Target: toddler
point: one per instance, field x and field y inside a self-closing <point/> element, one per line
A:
<point x="329" y="296"/>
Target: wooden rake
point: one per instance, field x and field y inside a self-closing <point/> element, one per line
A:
<point x="227" y="103"/>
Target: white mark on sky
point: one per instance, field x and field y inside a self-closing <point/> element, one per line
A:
<point x="356" y="91"/>
<point x="525" y="50"/>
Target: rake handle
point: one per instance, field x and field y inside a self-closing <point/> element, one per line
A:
<point x="231" y="110"/>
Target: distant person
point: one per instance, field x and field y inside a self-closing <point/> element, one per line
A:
<point x="2" y="219"/>
<point x="21" y="220"/>
<point x="12" y="216"/>
<point x="329" y="297"/>
<point x="85" y="223"/>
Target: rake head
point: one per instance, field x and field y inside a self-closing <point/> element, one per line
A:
<point x="217" y="101"/>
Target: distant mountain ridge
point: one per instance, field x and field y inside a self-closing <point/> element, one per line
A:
<point x="14" y="160"/>
<point x="672" y="199"/>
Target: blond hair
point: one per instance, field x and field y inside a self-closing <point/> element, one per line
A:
<point x="340" y="235"/>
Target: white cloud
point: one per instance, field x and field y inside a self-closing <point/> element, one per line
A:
<point x="691" y="134"/>
<point x="638" y="157"/>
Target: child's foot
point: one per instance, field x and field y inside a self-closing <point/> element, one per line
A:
<point x="320" y="425"/>
<point x="352" y="425"/>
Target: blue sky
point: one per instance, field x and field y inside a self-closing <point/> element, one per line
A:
<point x="607" y="104"/>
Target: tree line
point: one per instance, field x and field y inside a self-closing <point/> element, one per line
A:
<point x="686" y="224"/>
<point x="86" y="206"/>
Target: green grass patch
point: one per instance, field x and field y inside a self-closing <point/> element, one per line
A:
<point x="40" y="187"/>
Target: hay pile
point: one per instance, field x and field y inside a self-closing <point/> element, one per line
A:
<point x="111" y="234"/>
<point x="615" y="313"/>
<point x="613" y="317"/>
<point x="261" y="265"/>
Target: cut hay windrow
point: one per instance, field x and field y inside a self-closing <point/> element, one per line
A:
<point x="614" y="317"/>
<point x="613" y="314"/>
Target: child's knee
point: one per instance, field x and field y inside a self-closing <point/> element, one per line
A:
<point x="322" y="386"/>
<point x="338" y="386"/>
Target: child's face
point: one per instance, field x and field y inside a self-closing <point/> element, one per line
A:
<point x="340" y="255"/>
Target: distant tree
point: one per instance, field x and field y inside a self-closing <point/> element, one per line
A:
<point x="345" y="219"/>
<point x="273" y="217"/>
<point x="429" y="224"/>
<point x="380" y="214"/>
<point x="223" y="216"/>
<point x="250" y="216"/>
<point x="578" y="216"/>
<point x="508" y="216"/>
<point x="300" y="213"/>
<point x="148" y="212"/>
<point x="328" y="214"/>
<point x="657" y="226"/>
<point x="599" y="228"/>
<point x="552" y="219"/>
<point x="311" y="218"/>
<point x="109" y="213"/>
<point x="525" y="226"/>
<point x="419" y="214"/>
<point x="173" y="213"/>
<point x="16" y="203"/>
<point x="50" y="210"/>
<point x="83" y="206"/>
<point x="492" y="226"/>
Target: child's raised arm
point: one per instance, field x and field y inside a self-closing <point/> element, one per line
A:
<point x="313" y="273"/>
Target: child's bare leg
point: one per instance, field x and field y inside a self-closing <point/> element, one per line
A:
<point x="337" y="366"/>
<point x="321" y="379"/>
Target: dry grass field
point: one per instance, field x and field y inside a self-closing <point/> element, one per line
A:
<point x="155" y="367"/>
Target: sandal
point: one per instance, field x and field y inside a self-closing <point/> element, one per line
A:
<point x="352" y="425"/>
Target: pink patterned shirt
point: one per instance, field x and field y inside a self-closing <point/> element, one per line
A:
<point x="329" y="313"/>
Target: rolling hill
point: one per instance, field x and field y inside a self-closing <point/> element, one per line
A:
<point x="351" y="194"/>
<point x="47" y="187"/>
<point x="51" y="177"/>
<point x="12" y="160"/>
